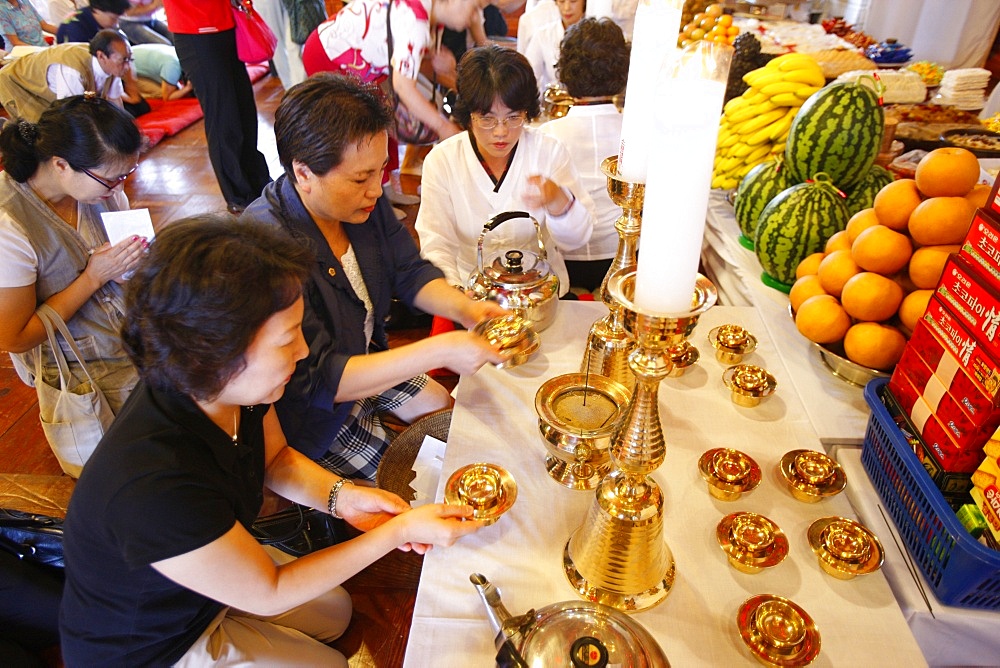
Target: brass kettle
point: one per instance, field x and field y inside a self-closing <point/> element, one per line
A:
<point x="519" y="280"/>
<point x="582" y="634"/>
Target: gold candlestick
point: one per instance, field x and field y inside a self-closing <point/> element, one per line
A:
<point x="618" y="556"/>
<point x="608" y="346"/>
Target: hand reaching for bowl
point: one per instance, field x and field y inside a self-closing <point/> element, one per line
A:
<point x="541" y="192"/>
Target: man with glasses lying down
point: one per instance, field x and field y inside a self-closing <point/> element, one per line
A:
<point x="499" y="164"/>
<point x="31" y="83"/>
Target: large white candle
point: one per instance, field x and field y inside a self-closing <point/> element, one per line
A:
<point x="600" y="9"/>
<point x="657" y="23"/>
<point x="686" y="123"/>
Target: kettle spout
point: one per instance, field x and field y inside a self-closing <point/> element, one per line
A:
<point x="495" y="610"/>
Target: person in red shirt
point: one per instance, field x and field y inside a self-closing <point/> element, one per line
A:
<point x="205" y="39"/>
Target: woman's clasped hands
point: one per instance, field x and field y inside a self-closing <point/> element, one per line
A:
<point x="109" y="262"/>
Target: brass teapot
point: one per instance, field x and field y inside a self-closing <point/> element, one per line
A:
<point x="519" y="280"/>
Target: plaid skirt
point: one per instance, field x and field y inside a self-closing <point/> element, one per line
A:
<point x="361" y="442"/>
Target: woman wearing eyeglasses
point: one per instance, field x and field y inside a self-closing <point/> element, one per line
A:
<point x="60" y="175"/>
<point x="499" y="164"/>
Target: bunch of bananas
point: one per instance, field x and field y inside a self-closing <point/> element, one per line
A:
<point x="755" y="124"/>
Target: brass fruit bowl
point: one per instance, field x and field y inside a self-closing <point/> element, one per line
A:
<point x="777" y="631"/>
<point x="845" y="548"/>
<point x="751" y="542"/>
<point x="835" y="361"/>
<point x="488" y="488"/>
<point x="729" y="473"/>
<point x="811" y="475"/>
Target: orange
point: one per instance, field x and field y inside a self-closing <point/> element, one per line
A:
<point x="822" y="319"/>
<point x="803" y="289"/>
<point x="839" y="241"/>
<point x="874" y="345"/>
<point x="860" y="222"/>
<point x="927" y="264"/>
<point x="895" y="202"/>
<point x="870" y="296"/>
<point x="835" y="269"/>
<point x="978" y="196"/>
<point x="903" y="278"/>
<point x="941" y="220"/>
<point x="882" y="250"/>
<point x="947" y="172"/>
<point x="809" y="265"/>
<point x="913" y="307"/>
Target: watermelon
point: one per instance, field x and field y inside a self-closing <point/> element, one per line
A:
<point x="862" y="195"/>
<point x="757" y="188"/>
<point x="797" y="223"/>
<point x="837" y="131"/>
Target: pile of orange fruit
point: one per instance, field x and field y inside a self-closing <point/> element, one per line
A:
<point x="872" y="282"/>
<point x="711" y="25"/>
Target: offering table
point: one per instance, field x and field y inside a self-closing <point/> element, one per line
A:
<point x="494" y="421"/>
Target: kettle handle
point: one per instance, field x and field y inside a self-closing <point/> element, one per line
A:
<point x="503" y="217"/>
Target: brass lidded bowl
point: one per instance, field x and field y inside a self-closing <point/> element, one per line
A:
<point x="513" y="335"/>
<point x="488" y="488"/>
<point x="751" y="542"/>
<point x="732" y="343"/>
<point x="577" y="416"/>
<point x="729" y="473"/>
<point x="777" y="631"/>
<point x="811" y="475"/>
<point x="845" y="548"/>
<point x="749" y="384"/>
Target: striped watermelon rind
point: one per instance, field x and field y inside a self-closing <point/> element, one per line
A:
<point x="797" y="223"/>
<point x="862" y="195"/>
<point x="757" y="188"/>
<point x="837" y="131"/>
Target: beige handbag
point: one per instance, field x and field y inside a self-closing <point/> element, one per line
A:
<point x="74" y="418"/>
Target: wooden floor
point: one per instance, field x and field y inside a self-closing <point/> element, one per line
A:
<point x="175" y="179"/>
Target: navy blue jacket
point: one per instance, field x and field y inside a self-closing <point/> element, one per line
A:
<point x="79" y="27"/>
<point x="334" y="315"/>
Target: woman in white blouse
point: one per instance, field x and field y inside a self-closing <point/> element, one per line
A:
<point x="499" y="164"/>
<point x="542" y="51"/>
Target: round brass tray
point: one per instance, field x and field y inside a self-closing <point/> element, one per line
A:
<point x="488" y="488"/>
<point x="777" y="631"/>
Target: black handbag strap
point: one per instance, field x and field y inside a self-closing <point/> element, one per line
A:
<point x="265" y="538"/>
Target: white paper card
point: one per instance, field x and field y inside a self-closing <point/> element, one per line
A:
<point x="427" y="466"/>
<point x="122" y="224"/>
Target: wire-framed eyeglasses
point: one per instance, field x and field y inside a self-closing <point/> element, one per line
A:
<point x="110" y="185"/>
<point x="490" y="122"/>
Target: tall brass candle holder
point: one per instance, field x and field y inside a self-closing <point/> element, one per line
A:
<point x="618" y="556"/>
<point x="608" y="346"/>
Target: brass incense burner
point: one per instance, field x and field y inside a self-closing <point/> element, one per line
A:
<point x="577" y="416"/>
<point x="618" y="555"/>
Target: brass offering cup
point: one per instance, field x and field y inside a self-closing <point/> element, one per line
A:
<point x="608" y="345"/>
<point x="732" y="343"/>
<point x="577" y="416"/>
<point x="844" y="547"/>
<point x="748" y="384"/>
<point x="751" y="542"/>
<point x="812" y="476"/>
<point x="729" y="473"/>
<point x="779" y="625"/>
<point x="480" y="487"/>
<point x="514" y="337"/>
<point x="618" y="556"/>
<point x="777" y="631"/>
<point x="487" y="488"/>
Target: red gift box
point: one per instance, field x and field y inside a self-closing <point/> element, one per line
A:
<point x="947" y="346"/>
<point x="972" y="296"/>
<point x="982" y="245"/>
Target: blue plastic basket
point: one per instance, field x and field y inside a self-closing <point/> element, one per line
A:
<point x="960" y="570"/>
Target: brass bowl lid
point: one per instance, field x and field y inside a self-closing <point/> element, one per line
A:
<point x="729" y="472"/>
<point x="584" y="405"/>
<point x="749" y="383"/>
<point x="751" y="542"/>
<point x="732" y="341"/>
<point x="845" y="548"/>
<point x="488" y="488"/>
<point x="812" y="475"/>
<point x="777" y="631"/>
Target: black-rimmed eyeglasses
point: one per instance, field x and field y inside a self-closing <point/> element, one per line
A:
<point x="110" y="185"/>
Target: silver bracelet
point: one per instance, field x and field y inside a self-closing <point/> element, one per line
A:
<point x="331" y="502"/>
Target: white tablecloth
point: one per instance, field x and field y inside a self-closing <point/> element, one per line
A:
<point x="494" y="421"/>
<point x="836" y="409"/>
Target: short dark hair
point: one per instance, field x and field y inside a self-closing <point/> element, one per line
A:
<point x="320" y="117"/>
<point x="490" y="72"/>
<point x="118" y="7"/>
<point x="103" y="41"/>
<point x="86" y="131"/>
<point x="593" y="58"/>
<point x="198" y="299"/>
